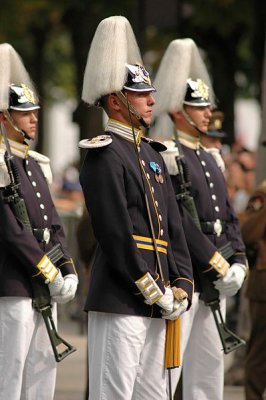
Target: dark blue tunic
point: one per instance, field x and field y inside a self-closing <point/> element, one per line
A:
<point x="113" y="190"/>
<point x="20" y="251"/>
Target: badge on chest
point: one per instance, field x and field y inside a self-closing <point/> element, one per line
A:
<point x="157" y="171"/>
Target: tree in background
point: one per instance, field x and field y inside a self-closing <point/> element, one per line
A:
<point x="54" y="37"/>
<point x="35" y="30"/>
<point x="231" y="35"/>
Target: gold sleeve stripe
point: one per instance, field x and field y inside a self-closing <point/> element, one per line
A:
<point x="218" y="263"/>
<point x="47" y="269"/>
<point x="69" y="261"/>
<point x="38" y="274"/>
<point x="184" y="279"/>
<point x="149" y="288"/>
<point x="146" y="243"/>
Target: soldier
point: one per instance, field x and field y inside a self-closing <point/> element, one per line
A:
<point x="215" y="134"/>
<point x="185" y="93"/>
<point x="142" y="270"/>
<point x="254" y="235"/>
<point x="27" y="363"/>
<point x="212" y="139"/>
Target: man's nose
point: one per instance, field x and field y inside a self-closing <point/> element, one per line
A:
<point x="151" y="100"/>
<point x="34" y="117"/>
<point x="208" y="112"/>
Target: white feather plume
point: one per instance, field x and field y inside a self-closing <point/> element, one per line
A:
<point x="12" y="70"/>
<point x="114" y="45"/>
<point x="182" y="60"/>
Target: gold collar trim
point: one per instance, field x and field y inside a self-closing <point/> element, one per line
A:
<point x="188" y="140"/>
<point x="18" y="149"/>
<point x="124" y="130"/>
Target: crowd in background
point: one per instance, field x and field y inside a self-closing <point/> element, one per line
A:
<point x="240" y="175"/>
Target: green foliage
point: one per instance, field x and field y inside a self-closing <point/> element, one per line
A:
<point x="224" y="16"/>
<point x="22" y="22"/>
<point x="60" y="69"/>
<point x="53" y="38"/>
<point x="226" y="26"/>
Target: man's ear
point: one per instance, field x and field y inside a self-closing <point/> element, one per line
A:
<point x="114" y="103"/>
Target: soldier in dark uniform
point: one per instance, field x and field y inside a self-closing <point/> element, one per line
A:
<point x="212" y="139"/>
<point x="27" y="363"/>
<point x="254" y="235"/>
<point x="184" y="95"/>
<point x="129" y="292"/>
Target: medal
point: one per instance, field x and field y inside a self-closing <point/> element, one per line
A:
<point x="157" y="169"/>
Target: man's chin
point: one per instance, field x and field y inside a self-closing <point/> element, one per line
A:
<point x="31" y="136"/>
<point x="141" y="123"/>
<point x="147" y="122"/>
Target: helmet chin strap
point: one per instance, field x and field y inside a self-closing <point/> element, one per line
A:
<point x="12" y="123"/>
<point x="190" y="121"/>
<point x="131" y="109"/>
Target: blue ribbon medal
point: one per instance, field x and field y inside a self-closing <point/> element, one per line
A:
<point x="157" y="170"/>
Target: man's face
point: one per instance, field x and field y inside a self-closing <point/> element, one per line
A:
<point x="200" y="116"/>
<point x="25" y="120"/>
<point x="142" y="103"/>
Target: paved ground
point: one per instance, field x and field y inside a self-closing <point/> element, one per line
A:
<point x="71" y="377"/>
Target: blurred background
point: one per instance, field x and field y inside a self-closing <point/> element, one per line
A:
<point x="53" y="39"/>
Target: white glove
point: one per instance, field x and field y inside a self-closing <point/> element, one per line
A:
<point x="166" y="302"/>
<point x="57" y="284"/>
<point x="179" y="309"/>
<point x="68" y="290"/>
<point x="233" y="280"/>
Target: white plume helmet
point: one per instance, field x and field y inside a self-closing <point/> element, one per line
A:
<point x="181" y="61"/>
<point x="12" y="70"/>
<point x="114" y="45"/>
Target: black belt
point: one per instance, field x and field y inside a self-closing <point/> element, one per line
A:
<point x="42" y="235"/>
<point x="213" y="227"/>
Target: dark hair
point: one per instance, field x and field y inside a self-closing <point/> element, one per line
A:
<point x="103" y="102"/>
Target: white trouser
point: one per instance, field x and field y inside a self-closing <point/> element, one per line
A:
<point x="27" y="364"/>
<point x="126" y="357"/>
<point x="202" y="357"/>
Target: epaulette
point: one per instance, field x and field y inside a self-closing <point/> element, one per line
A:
<point x="156" y="145"/>
<point x="44" y="163"/>
<point x="96" y="142"/>
<point x="4" y="177"/>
